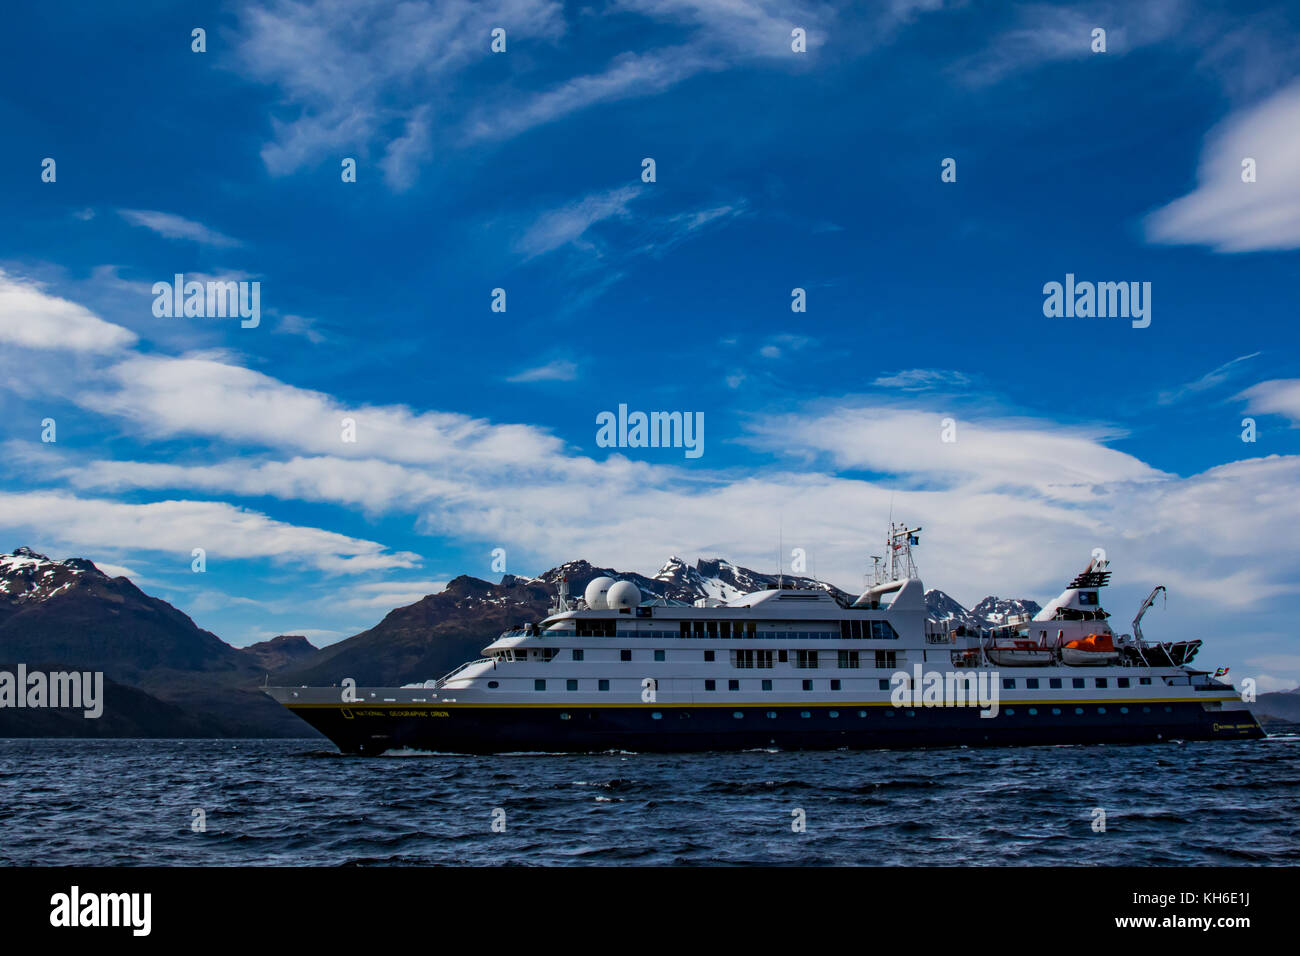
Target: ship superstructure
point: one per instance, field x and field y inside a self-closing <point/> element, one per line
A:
<point x="792" y="668"/>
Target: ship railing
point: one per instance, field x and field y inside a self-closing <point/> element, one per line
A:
<point x="451" y="674"/>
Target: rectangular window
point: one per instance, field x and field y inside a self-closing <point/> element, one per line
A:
<point x="1121" y="681"/>
<point x="782" y="657"/>
<point x="625" y="655"/>
<point x="539" y="684"/>
<point x="1077" y="681"/>
<point x="570" y="684"/>
<point x="884" y="684"/>
<point x="742" y="658"/>
<point x="686" y="628"/>
<point x="1101" y="682"/>
<point x="767" y="684"/>
<point x="855" y="628"/>
<point x="699" y="628"/>
<point x="1142" y="681"/>
<point x="733" y="685"/>
<point x="725" y="629"/>
<point x="751" y="628"/>
<point x="710" y="685"/>
<point x="846" y="631"/>
<point x="805" y="659"/>
<point x="708" y="656"/>
<point x="659" y="655"/>
<point x="763" y="659"/>
<point x="807" y="685"/>
<point x="602" y="684"/>
<point x="849" y="659"/>
<point x="886" y="660"/>
<point x="1008" y="683"/>
<point x="1031" y="683"/>
<point x="711" y="628"/>
<point x="835" y="685"/>
<point x="883" y="630"/>
<point x="577" y="654"/>
<point x="1054" y="683"/>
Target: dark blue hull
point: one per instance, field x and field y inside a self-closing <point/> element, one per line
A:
<point x="451" y="728"/>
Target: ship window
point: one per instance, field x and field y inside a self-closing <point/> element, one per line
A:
<point x="1146" y="710"/>
<point x="848" y="659"/>
<point x="751" y="628"/>
<point x="738" y="714"/>
<point x="835" y="685"/>
<point x="1010" y="712"/>
<point x="1123" y="710"/>
<point x="577" y="654"/>
<point x="1101" y="681"/>
<point x="625" y="655"/>
<point x="686" y="628"/>
<point x="724" y="629"/>
<point x="771" y="714"/>
<point x="564" y="716"/>
<point x="659" y="655"/>
<point x="1121" y="681"/>
<point x="763" y="659"/>
<point x="1031" y="683"/>
<point x="711" y="628"/>
<point x="699" y="628"/>
<point x="846" y="630"/>
<point x="494" y="684"/>
<point x="1008" y="683"/>
<point x="602" y="684"/>
<point x="833" y="713"/>
<point x="708" y="656"/>
<point x="1033" y="711"/>
<point x="884" y="684"/>
<point x="742" y="658"/>
<point x="733" y="685"/>
<point x="807" y="685"/>
<point x="1168" y="709"/>
<point x="804" y="713"/>
<point x="539" y="684"/>
<point x="1101" y="710"/>
<point x="1077" y="681"/>
<point x="570" y="684"/>
<point x="1078" y="710"/>
<point x="883" y="630"/>
<point x="710" y="685"/>
<point x="1144" y="681"/>
<point x="805" y="659"/>
<point x="783" y="657"/>
<point x="767" y="685"/>
<point x="1054" y="683"/>
<point x="886" y="660"/>
<point x="890" y="713"/>
<point x="1056" y="711"/>
<point x="862" y="713"/>
<point x="657" y="716"/>
<point x="855" y="628"/>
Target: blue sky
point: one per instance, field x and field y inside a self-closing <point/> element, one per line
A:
<point x="774" y="170"/>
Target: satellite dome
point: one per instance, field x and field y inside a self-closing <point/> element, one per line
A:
<point x="595" y="593"/>
<point x="623" y="594"/>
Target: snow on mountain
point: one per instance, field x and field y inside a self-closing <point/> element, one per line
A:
<point x="28" y="577"/>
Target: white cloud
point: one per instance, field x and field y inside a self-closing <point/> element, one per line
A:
<point x="33" y="318"/>
<point x="226" y="532"/>
<point x="1279" y="396"/>
<point x="1227" y="214"/>
<point x="560" y="370"/>
<point x="921" y="379"/>
<point x="1209" y="380"/>
<point x="568" y="224"/>
<point x="171" y="226"/>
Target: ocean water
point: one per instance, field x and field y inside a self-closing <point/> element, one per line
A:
<point x="291" y="802"/>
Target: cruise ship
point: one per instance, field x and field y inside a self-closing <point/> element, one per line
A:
<point x="793" y="668"/>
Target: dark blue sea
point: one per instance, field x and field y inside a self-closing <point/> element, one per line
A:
<point x="298" y="802"/>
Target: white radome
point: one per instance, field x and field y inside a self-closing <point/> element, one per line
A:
<point x="597" y="588"/>
<point x="623" y="594"/>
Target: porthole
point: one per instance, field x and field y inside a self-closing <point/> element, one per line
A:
<point x="833" y="713"/>
<point x="1056" y="711"/>
<point x="657" y="716"/>
<point x="738" y="715"/>
<point x="771" y="713"/>
<point x="494" y="684"/>
<point x="1146" y="710"/>
<point x="1033" y="711"/>
<point x="911" y="713"/>
<point x="804" y="713"/>
<point x="564" y="716"/>
<point x="1078" y="710"/>
<point x="1123" y="710"/>
<point x="1101" y="710"/>
<point x="1168" y="709"/>
<point x="889" y="713"/>
<point x="862" y="713"/>
<point x="1011" y="711"/>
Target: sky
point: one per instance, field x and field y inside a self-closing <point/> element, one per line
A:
<point x="795" y="146"/>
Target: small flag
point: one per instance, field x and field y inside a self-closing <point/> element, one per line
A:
<point x="913" y="539"/>
<point x="1221" y="672"/>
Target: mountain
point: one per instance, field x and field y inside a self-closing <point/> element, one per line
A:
<point x="280" y="651"/>
<point x="441" y="631"/>
<point x="1278" y="707"/>
<point x="174" y="678"/>
<point x="987" y="613"/>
